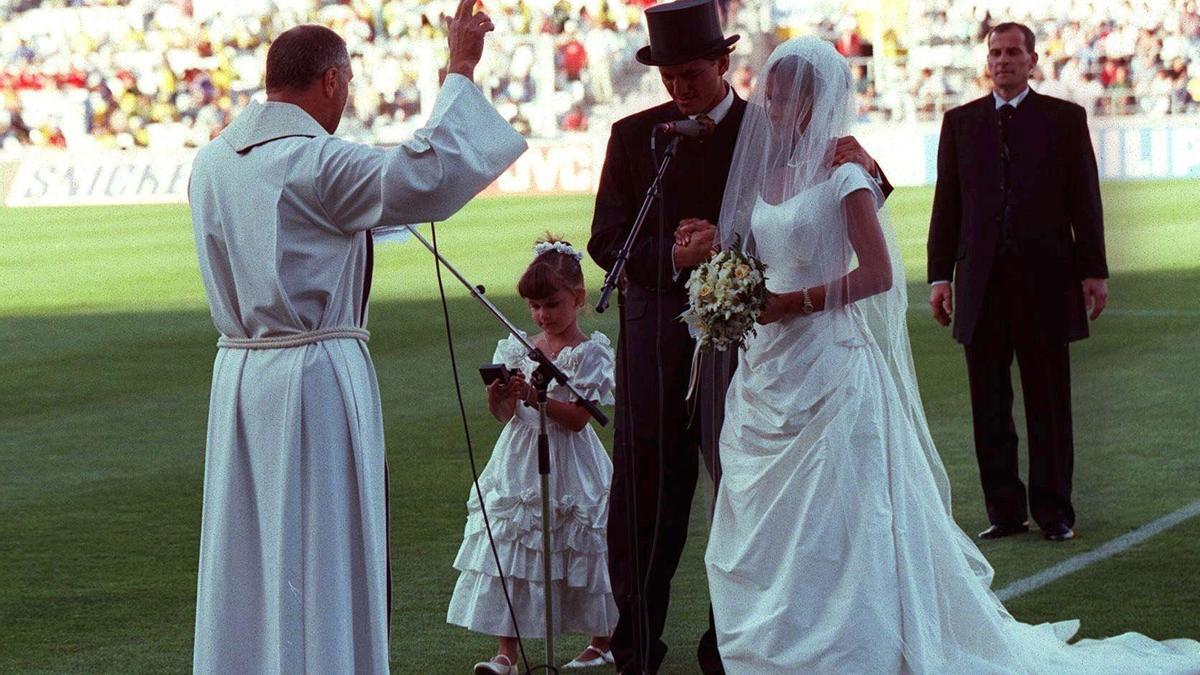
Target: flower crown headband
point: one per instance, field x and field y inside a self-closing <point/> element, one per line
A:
<point x="560" y="246"/>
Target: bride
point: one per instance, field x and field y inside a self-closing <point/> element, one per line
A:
<point x="832" y="546"/>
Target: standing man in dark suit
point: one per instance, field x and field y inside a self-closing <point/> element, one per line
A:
<point x="1017" y="227"/>
<point x="654" y="352"/>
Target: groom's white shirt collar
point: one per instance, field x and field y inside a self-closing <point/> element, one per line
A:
<point x="719" y="111"/>
<point x="1016" y="101"/>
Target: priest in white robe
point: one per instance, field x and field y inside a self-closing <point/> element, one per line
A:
<point x="294" y="570"/>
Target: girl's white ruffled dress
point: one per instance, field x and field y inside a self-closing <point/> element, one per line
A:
<point x="580" y="476"/>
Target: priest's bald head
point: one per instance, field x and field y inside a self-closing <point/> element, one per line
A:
<point x="309" y="66"/>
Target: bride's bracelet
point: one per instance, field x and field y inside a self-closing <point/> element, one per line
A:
<point x="807" y="307"/>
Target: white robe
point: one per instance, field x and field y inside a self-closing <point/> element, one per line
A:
<point x="293" y="548"/>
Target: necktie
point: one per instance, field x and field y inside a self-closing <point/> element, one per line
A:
<point x="1006" y="113"/>
<point x="706" y="121"/>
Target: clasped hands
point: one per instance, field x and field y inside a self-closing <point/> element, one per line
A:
<point x="695" y="242"/>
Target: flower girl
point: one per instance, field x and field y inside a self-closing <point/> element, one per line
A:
<point x="580" y="475"/>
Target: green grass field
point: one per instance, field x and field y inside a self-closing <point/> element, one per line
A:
<point x="106" y="362"/>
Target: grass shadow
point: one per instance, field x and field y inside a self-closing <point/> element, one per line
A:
<point x="104" y="416"/>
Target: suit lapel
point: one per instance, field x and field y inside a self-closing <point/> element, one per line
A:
<point x="980" y="146"/>
<point x="1031" y="122"/>
<point x="1031" y="140"/>
<point x="1034" y="101"/>
<point x="987" y="129"/>
<point x="733" y="119"/>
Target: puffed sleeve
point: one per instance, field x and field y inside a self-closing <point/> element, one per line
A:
<point x="510" y="352"/>
<point x="852" y="177"/>
<point x="594" y="376"/>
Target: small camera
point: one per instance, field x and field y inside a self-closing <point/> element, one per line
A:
<point x="493" y="372"/>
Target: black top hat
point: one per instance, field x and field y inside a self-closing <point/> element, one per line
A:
<point x="682" y="31"/>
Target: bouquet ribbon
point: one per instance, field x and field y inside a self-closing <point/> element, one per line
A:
<point x="694" y="378"/>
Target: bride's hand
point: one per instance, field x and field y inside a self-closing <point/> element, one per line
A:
<point x="778" y="307"/>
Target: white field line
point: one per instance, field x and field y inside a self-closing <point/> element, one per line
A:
<point x="1103" y="552"/>
<point x="1169" y="313"/>
<point x="923" y="308"/>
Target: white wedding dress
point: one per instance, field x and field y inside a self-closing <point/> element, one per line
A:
<point x="832" y="547"/>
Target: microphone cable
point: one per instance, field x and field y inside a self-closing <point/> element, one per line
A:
<point x="633" y="522"/>
<point x="658" y="331"/>
<point x="462" y="409"/>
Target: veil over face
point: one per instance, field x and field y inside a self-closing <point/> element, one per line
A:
<point x="799" y="108"/>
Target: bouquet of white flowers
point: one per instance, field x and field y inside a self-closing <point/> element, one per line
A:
<point x="725" y="296"/>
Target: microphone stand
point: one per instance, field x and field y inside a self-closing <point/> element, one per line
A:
<point x="541" y="377"/>
<point x="541" y="381"/>
<point x="652" y="193"/>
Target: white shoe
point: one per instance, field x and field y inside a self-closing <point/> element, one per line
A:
<point x="601" y="658"/>
<point x="499" y="665"/>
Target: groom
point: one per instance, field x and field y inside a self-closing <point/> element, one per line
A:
<point x="655" y="350"/>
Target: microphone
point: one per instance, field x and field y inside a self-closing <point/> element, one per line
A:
<point x="687" y="127"/>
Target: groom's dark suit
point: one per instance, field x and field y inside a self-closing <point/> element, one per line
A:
<point x="1017" y="226"/>
<point x="653" y="338"/>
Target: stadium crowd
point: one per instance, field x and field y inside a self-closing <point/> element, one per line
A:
<point x="162" y="72"/>
<point x="173" y="73"/>
<point x="1113" y="57"/>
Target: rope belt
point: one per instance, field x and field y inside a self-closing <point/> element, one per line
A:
<point x="296" y="340"/>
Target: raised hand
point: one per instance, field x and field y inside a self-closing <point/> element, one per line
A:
<point x="466" y="30"/>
